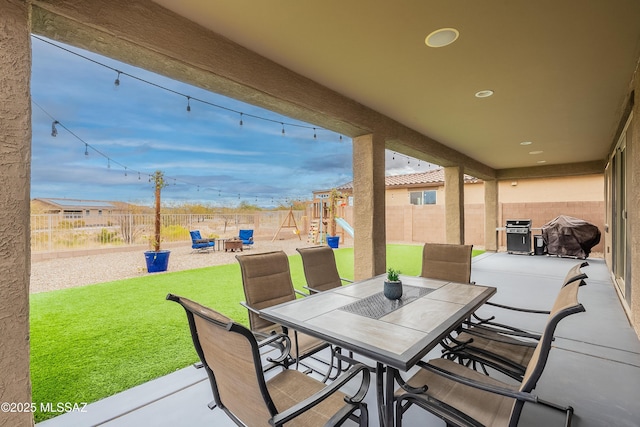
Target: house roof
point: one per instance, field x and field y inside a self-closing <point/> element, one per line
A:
<point x="435" y="176"/>
<point x="79" y="204"/>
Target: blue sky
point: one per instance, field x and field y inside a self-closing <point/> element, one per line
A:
<point x="205" y="153"/>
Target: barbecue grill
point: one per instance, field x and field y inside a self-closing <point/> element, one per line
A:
<point x="519" y="236"/>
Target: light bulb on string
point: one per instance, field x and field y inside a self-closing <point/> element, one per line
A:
<point x="241" y="123"/>
<point x="198" y="188"/>
<point x="108" y="163"/>
<point x="314" y="133"/>
<point x="125" y="171"/>
<point x="86" y="149"/>
<point x="282" y="127"/>
<point x="188" y="104"/>
<point x="54" y="130"/>
<point x="394" y="156"/>
<point x="116" y="83"/>
<point x="138" y="176"/>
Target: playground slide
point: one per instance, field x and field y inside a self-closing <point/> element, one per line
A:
<point x="345" y="225"/>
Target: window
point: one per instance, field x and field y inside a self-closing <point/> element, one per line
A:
<point x="99" y="211"/>
<point x="422" y="197"/>
<point x="87" y="212"/>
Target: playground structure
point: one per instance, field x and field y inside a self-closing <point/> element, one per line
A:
<point x="326" y="214"/>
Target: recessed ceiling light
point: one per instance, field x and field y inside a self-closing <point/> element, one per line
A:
<point x="526" y="143"/>
<point x="541" y="161"/>
<point x="442" y="37"/>
<point x="536" y="152"/>
<point x="484" y="94"/>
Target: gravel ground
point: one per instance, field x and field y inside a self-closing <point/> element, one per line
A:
<point x="61" y="273"/>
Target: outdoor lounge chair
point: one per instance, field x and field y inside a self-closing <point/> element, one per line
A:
<point x="200" y="244"/>
<point x="246" y="236"/>
<point x="320" y="270"/>
<point x="462" y="396"/>
<point x="503" y="348"/>
<point x="231" y="357"/>
<point x="447" y="262"/>
<point x="266" y="281"/>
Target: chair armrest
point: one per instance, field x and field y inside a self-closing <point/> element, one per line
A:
<point x="502" y="329"/>
<point x="524" y="310"/>
<point x="313" y="400"/>
<point x="248" y="307"/>
<point x="312" y="290"/>
<point x="346" y="280"/>
<point x="280" y="341"/>
<point x="491" y="388"/>
<point x="300" y="293"/>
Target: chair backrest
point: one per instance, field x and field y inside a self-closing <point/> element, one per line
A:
<point x="447" y="262"/>
<point x="266" y="281"/>
<point x="575" y="273"/>
<point x="195" y="235"/>
<point x="230" y="355"/>
<point x="245" y="234"/>
<point x="566" y="304"/>
<point x="320" y="270"/>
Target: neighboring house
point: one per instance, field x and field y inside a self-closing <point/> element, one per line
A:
<point x="415" y="204"/>
<point x="89" y="211"/>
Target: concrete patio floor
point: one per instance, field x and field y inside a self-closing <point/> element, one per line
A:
<point x="594" y="364"/>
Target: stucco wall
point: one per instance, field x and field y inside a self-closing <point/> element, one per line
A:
<point x="15" y="158"/>
<point x="410" y="223"/>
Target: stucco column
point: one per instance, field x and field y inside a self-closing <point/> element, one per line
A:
<point x="369" y="241"/>
<point x="15" y="158"/>
<point x="454" y="204"/>
<point x="491" y="215"/>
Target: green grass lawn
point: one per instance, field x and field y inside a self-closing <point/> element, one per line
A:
<point x="91" y="342"/>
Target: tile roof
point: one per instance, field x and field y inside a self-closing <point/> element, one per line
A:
<point x="435" y="176"/>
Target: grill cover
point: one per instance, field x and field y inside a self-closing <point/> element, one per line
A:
<point x="570" y="237"/>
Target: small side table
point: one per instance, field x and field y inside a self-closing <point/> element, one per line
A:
<point x="232" y="245"/>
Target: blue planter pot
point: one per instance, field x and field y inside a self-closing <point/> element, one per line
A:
<point x="157" y="261"/>
<point x="333" y="241"/>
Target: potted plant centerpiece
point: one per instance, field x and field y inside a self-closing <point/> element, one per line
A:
<point x="393" y="284"/>
<point x="157" y="260"/>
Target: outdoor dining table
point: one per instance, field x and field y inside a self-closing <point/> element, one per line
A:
<point x="396" y="334"/>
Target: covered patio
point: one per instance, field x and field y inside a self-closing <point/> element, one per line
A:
<point x="594" y="364"/>
<point x="527" y="90"/>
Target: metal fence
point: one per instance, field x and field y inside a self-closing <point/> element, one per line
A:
<point x="52" y="232"/>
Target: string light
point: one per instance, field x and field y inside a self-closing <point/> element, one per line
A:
<point x="241" y="119"/>
<point x="314" y="133"/>
<point x="86" y="149"/>
<point x="54" y="131"/>
<point x="125" y="171"/>
<point x="189" y="98"/>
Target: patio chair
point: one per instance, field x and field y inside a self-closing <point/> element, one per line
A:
<point x="320" y="270"/>
<point x="495" y="348"/>
<point x="231" y="357"/>
<point x="462" y="396"/>
<point x="447" y="262"/>
<point x="321" y="273"/>
<point x="247" y="237"/>
<point x="199" y="244"/>
<point x="491" y="327"/>
<point x="266" y="281"/>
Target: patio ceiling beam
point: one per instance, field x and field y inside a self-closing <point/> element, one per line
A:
<point x="548" y="171"/>
<point x="146" y="35"/>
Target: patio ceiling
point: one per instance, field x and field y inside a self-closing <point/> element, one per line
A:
<point x="560" y="71"/>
